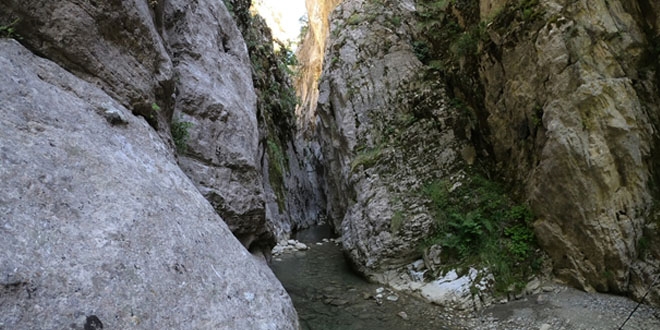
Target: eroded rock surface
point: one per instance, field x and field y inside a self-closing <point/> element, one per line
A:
<point x="565" y="111"/>
<point x="571" y="98"/>
<point x="99" y="225"/>
<point x="214" y="93"/>
<point x="385" y="130"/>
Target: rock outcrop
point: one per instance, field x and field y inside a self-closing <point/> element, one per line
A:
<point x="215" y="98"/>
<point x="562" y="104"/>
<point x="571" y="97"/>
<point x="113" y="44"/>
<point x="385" y="131"/>
<point x="100" y="228"/>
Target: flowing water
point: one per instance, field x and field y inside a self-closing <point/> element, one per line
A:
<point x="328" y="295"/>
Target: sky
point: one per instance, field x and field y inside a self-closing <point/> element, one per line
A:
<point x="282" y="16"/>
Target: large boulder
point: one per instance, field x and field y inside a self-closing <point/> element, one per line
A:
<point x="99" y="225"/>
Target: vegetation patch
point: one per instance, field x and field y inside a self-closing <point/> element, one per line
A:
<point x="9" y="30"/>
<point x="366" y="158"/>
<point x="180" y="135"/>
<point x="276" y="165"/>
<point x="476" y="223"/>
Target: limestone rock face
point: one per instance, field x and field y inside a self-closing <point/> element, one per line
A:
<point x="385" y="131"/>
<point x="100" y="226"/>
<point x="214" y="93"/>
<point x="571" y="98"/>
<point x="114" y="44"/>
<point x="176" y="63"/>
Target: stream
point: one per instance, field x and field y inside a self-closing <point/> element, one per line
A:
<point x="328" y="295"/>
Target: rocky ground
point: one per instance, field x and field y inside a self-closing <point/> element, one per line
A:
<point x="326" y="294"/>
<point x="566" y="308"/>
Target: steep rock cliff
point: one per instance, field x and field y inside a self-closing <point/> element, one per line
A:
<point x="216" y="98"/>
<point x="571" y="98"/>
<point x="156" y="59"/>
<point x="562" y="100"/>
<point x="101" y="229"/>
<point x="385" y="130"/>
<point x="287" y="160"/>
<point x="310" y="54"/>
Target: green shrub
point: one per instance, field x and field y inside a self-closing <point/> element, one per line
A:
<point x="366" y="158"/>
<point x="9" y="30"/>
<point x="478" y="223"/>
<point x="180" y="135"/>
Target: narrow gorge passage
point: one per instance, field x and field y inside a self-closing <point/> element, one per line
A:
<point x="328" y="295"/>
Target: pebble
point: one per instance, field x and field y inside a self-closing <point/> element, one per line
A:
<point x="403" y="315"/>
<point x="545" y="326"/>
<point x="393" y="298"/>
<point x="547" y="288"/>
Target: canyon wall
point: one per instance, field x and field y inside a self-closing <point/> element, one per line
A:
<point x="562" y="108"/>
<point x="101" y="224"/>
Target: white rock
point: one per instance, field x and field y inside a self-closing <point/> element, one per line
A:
<point x="301" y="246"/>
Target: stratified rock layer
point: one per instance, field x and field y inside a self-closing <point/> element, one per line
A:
<point x="99" y="225"/>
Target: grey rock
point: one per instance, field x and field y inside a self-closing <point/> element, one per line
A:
<point x="112" y="44"/>
<point x="591" y="115"/>
<point x="100" y="226"/>
<point x="374" y="159"/>
<point x="215" y="94"/>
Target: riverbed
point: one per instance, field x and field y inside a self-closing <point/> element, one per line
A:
<point x="328" y="295"/>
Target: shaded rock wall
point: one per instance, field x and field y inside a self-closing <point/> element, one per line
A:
<point x="292" y="194"/>
<point x="100" y="228"/>
<point x="571" y="97"/>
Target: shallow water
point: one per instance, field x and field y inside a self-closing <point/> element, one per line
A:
<point x="328" y="295"/>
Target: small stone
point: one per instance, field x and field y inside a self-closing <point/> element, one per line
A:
<point x="380" y="290"/>
<point x="403" y="315"/>
<point x="291" y="242"/>
<point x="547" y="288"/>
<point x="540" y="299"/>
<point x="545" y="326"/>
<point x="301" y="246"/>
<point x="532" y="286"/>
<point x="319" y="243"/>
<point x="393" y="298"/>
